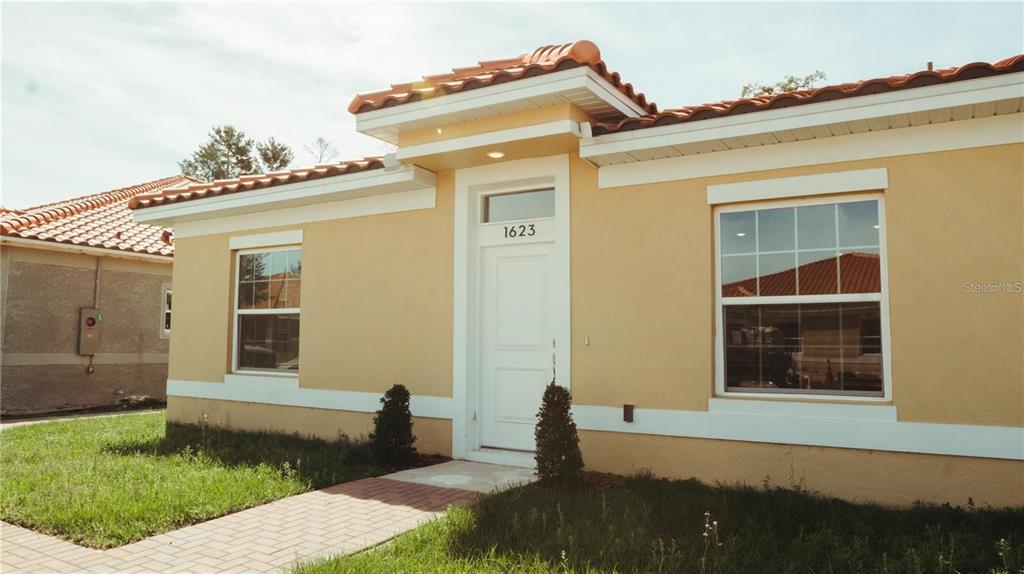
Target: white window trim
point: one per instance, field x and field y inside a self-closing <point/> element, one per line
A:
<point x="235" y="312"/>
<point x="266" y="240"/>
<point x="164" y="311"/>
<point x="882" y="298"/>
<point x="800" y="186"/>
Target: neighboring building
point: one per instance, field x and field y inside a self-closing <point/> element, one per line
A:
<point x="59" y="259"/>
<point x="818" y="288"/>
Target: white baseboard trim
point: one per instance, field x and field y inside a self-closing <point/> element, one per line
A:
<point x="825" y="431"/>
<point x="860" y="427"/>
<point x="422" y="406"/>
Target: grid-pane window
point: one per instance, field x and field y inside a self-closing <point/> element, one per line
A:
<point x="800" y="292"/>
<point x="268" y="298"/>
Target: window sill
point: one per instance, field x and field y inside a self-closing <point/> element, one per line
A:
<point x="281" y="381"/>
<point x="869" y="408"/>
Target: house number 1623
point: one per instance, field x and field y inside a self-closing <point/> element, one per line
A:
<point x="520" y="231"/>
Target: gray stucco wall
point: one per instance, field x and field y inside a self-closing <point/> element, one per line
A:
<point x="41" y="294"/>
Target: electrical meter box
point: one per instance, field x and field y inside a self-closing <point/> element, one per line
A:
<point x="89" y="321"/>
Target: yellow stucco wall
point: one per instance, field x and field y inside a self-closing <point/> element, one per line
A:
<point x="433" y="436"/>
<point x="643" y="286"/>
<point x="377" y="310"/>
<point x="886" y="477"/>
<point x="376" y="302"/>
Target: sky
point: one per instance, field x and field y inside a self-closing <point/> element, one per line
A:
<point x="101" y="96"/>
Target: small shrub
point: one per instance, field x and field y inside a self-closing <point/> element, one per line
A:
<point x="392" y="439"/>
<point x="558" y="456"/>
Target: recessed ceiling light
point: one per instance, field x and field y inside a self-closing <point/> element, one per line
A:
<point x="495" y="154"/>
<point x="741" y="234"/>
<point x="439" y="130"/>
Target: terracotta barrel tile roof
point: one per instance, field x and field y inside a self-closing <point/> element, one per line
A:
<point x="543" y="60"/>
<point x="100" y="220"/>
<point x="199" y="190"/>
<point x="861" y="273"/>
<point x="811" y="96"/>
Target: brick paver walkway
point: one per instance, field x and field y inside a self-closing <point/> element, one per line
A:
<point x="269" y="538"/>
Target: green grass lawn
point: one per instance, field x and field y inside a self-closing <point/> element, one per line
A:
<point x="649" y="525"/>
<point x="107" y="481"/>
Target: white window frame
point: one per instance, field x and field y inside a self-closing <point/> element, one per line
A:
<point x="236" y="312"/>
<point x="165" y="312"/>
<point x="882" y="298"/>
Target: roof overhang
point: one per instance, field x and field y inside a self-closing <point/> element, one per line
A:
<point x="941" y="103"/>
<point x="85" y="250"/>
<point x="538" y="140"/>
<point x="328" y="189"/>
<point x="581" y="86"/>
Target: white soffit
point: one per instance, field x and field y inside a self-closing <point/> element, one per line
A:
<point x="943" y="103"/>
<point x="328" y="189"/>
<point x="580" y="86"/>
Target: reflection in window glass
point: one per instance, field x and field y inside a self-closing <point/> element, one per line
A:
<point x="817" y="228"/>
<point x="776" y="230"/>
<point x="858" y="224"/>
<point x="820" y="347"/>
<point x="776" y="274"/>
<point x="268" y="342"/>
<point x="520" y="205"/>
<point x="738" y="232"/>
<point x="860" y="271"/>
<point x="267" y="281"/>
<point x="830" y="348"/>
<point x="801" y="251"/>
<point x="817" y="274"/>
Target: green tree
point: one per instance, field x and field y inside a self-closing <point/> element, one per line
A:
<point x="274" y="155"/>
<point x="229" y="153"/>
<point x="558" y="455"/>
<point x="787" y="84"/>
<point x="392" y="438"/>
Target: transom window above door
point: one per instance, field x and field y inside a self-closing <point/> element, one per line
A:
<point x="800" y="299"/>
<point x="533" y="204"/>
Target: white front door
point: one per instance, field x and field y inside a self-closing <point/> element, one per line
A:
<point x="517" y="328"/>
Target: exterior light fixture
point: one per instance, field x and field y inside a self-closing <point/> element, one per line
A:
<point x="439" y="130"/>
<point x="741" y="234"/>
<point x="876" y="226"/>
<point x="495" y="154"/>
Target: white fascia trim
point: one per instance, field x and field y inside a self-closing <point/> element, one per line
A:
<point x="543" y="85"/>
<point x="863" y="433"/>
<point x="1004" y="87"/>
<point x="85" y="250"/>
<point x="393" y="202"/>
<point x="981" y="132"/>
<point x="800" y="186"/>
<point x="287" y="392"/>
<point x="290" y="237"/>
<point x="603" y="89"/>
<point x="338" y="187"/>
<point x="555" y="128"/>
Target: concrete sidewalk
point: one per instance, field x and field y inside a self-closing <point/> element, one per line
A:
<point x="340" y="519"/>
